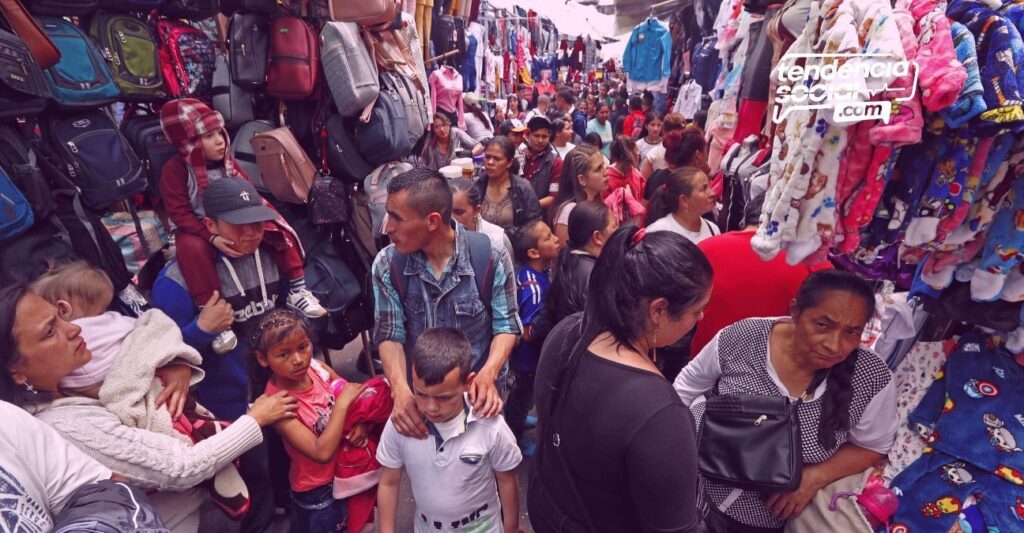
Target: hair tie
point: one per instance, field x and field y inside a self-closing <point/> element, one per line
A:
<point x="639" y="235"/>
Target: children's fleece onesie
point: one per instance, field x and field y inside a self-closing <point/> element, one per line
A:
<point x="1002" y="247"/>
<point x="972" y="418"/>
<point x="971" y="101"/>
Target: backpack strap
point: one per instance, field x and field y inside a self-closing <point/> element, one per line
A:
<point x="479" y="257"/>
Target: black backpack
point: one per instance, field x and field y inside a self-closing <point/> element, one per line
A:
<point x="25" y="93"/>
<point x="151" y="145"/>
<point x="21" y="163"/>
<point x="248" y="47"/>
<point x="34" y="253"/>
<point x="96" y="156"/>
<point x="62" y="8"/>
<point x="190" y="9"/>
<point x="229" y="7"/>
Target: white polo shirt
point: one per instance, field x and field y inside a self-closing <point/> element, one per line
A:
<point x="453" y="478"/>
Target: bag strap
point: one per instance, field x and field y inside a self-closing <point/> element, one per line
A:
<point x="479" y="257"/>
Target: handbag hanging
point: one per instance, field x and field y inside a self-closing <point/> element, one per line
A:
<point x="753" y="441"/>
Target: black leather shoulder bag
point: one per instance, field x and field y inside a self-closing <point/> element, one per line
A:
<point x="753" y="441"/>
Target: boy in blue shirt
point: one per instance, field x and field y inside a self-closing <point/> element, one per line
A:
<point x="536" y="247"/>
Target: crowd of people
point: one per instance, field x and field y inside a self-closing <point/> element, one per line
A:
<point x="578" y="276"/>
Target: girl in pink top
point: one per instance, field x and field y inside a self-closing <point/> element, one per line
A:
<point x="282" y="345"/>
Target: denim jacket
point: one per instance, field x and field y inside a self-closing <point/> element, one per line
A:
<point x="451" y="301"/>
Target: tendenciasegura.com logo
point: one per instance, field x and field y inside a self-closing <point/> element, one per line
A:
<point x="845" y="83"/>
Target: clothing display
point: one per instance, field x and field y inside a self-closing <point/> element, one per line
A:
<point x="446" y="93"/>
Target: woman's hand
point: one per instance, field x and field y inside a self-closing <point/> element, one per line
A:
<point x="216" y="316"/>
<point x="175" y="379"/>
<point x="786" y="505"/>
<point x="357" y="437"/>
<point x="269" y="410"/>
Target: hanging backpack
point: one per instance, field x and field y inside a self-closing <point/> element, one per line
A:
<point x="385" y="137"/>
<point x="234" y="104"/>
<point x="284" y="166"/>
<point x="62" y="8"/>
<point x="247" y="49"/>
<point x="329" y="277"/>
<point x="15" y="212"/>
<point x="130" y="49"/>
<point x="343" y="157"/>
<point x="24" y="92"/>
<point x="96" y="157"/>
<point x="244" y="153"/>
<point x="449" y="33"/>
<point x="81" y="78"/>
<point x="187" y="58"/>
<point x="151" y="145"/>
<point x="376" y="189"/>
<point x="22" y="165"/>
<point x="349" y="69"/>
<point x="229" y="7"/>
<point x="414" y="101"/>
<point x="294" y="69"/>
<point x="365" y="12"/>
<point x="38" y="250"/>
<point x="131" y="6"/>
<point x="191" y="9"/>
<point x="329" y="201"/>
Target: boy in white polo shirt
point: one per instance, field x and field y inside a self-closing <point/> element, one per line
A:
<point x="453" y="471"/>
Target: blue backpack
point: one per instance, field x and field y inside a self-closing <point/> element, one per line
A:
<point x="81" y="79"/>
<point x="96" y="156"/>
<point x="15" y="212"/>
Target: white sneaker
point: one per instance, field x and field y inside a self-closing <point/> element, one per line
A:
<point x="307" y="304"/>
<point x="224" y="342"/>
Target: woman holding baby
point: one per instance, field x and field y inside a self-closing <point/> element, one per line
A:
<point x="40" y="348"/>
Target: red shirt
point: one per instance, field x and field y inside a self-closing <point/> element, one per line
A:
<point x="745" y="286"/>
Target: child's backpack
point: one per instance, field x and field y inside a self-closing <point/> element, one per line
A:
<point x="187" y="58"/>
<point x="349" y="68"/>
<point x="247" y="49"/>
<point x="151" y="145"/>
<point x="244" y="153"/>
<point x="62" y="8"/>
<point x="284" y="166"/>
<point x="95" y="156"/>
<point x="81" y="78"/>
<point x="294" y="69"/>
<point x="130" y="48"/>
<point x="25" y="92"/>
<point x="132" y="6"/>
<point x="638" y="127"/>
<point x="15" y="212"/>
<point x="233" y="103"/>
<point x="190" y="9"/>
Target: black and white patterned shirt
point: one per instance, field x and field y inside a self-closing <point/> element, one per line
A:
<point x="738" y="361"/>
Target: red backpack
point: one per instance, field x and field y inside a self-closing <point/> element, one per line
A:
<point x="294" y="70"/>
<point x="187" y="58"/>
<point x="639" y="121"/>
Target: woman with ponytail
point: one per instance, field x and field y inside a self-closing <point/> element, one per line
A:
<point x="680" y="204"/>
<point x="583" y="178"/>
<point x="847" y="422"/>
<point x="617" y="449"/>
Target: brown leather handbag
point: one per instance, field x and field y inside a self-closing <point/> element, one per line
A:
<point x="24" y="26"/>
<point x="284" y="166"/>
<point x="365" y="12"/>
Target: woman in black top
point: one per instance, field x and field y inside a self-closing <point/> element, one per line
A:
<point x="617" y="449"/>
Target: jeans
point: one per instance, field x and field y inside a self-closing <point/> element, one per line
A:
<point x="316" y="511"/>
<point x="520" y="400"/>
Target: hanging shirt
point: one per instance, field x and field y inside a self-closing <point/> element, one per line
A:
<point x="648" y="55"/>
<point x="446" y="93"/>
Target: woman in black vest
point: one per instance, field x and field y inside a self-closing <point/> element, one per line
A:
<point x="853" y="410"/>
<point x="617" y="449"/>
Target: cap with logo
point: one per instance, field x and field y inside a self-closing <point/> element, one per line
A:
<point x="515" y="125"/>
<point x="235" y="201"/>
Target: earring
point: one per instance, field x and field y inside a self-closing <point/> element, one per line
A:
<point x="654" y="343"/>
<point x="29" y="388"/>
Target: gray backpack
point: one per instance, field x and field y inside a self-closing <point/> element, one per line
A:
<point x="349" y="68"/>
<point x="229" y="99"/>
<point x="245" y="154"/>
<point x="415" y="103"/>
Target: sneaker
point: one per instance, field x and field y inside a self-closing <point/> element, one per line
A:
<point x="527" y="446"/>
<point x="531" y="422"/>
<point x="225" y="342"/>
<point x="303" y="301"/>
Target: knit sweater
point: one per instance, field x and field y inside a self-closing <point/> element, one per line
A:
<point x="148" y="459"/>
